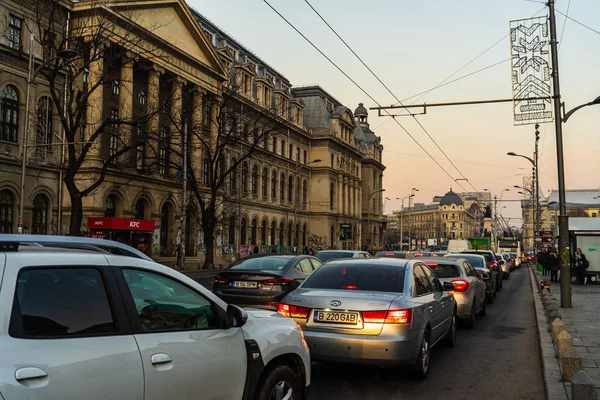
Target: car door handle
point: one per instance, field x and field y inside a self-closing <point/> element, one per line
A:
<point x="160" y="358"/>
<point x="23" y="374"/>
<point x="430" y="308"/>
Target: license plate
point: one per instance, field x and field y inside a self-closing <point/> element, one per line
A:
<point x="335" y="317"/>
<point x="243" y="284"/>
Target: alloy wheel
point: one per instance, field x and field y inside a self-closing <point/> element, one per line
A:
<point x="425" y="354"/>
<point x="282" y="391"/>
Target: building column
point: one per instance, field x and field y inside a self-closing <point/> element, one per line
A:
<point x="95" y="111"/>
<point x="126" y="102"/>
<point x="196" y="147"/>
<point x="176" y="137"/>
<point x="151" y="149"/>
<point x="340" y="182"/>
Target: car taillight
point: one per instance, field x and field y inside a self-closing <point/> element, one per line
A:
<point x="277" y="281"/>
<point x="350" y="287"/>
<point x="432" y="265"/>
<point x="460" y="285"/>
<point x="388" y="317"/>
<point x="288" y="310"/>
<point x="493" y="264"/>
<point x="220" y="279"/>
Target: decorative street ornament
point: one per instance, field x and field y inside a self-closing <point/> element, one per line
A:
<point x="530" y="68"/>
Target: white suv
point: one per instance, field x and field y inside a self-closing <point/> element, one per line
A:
<point x="77" y="324"/>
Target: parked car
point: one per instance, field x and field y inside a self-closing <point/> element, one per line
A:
<point x="423" y="253"/>
<point x="469" y="288"/>
<point x="377" y="311"/>
<point x="505" y="264"/>
<point x="328" y="255"/>
<point x="488" y="275"/>
<point x="85" y="324"/>
<point x="516" y="259"/>
<point x="394" y="254"/>
<point x="492" y="264"/>
<point x="263" y="279"/>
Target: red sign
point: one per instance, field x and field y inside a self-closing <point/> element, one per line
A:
<point x="121" y="224"/>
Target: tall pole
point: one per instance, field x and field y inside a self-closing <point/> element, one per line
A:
<point x="21" y="227"/>
<point x="537" y="194"/>
<point x="402" y="225"/>
<point x="564" y="259"/>
<point x="184" y="196"/>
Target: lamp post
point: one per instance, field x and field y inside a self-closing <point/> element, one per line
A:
<point x="31" y="75"/>
<point x="536" y="218"/>
<point x="298" y="167"/>
<point x="402" y="219"/>
<point x="369" y="215"/>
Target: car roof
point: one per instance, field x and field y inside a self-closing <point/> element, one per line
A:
<point x="341" y="251"/>
<point x="396" y="262"/>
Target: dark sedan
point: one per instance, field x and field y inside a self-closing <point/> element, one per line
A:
<point x="263" y="280"/>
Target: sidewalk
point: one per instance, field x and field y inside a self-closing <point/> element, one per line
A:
<point x="582" y="322"/>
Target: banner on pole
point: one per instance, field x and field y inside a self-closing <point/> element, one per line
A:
<point x="530" y="68"/>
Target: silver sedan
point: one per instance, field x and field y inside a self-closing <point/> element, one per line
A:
<point x="374" y="311"/>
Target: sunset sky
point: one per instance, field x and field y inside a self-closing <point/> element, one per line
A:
<point x="413" y="46"/>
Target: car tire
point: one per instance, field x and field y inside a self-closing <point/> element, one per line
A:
<point x="470" y="323"/>
<point x="422" y="362"/>
<point x="450" y="338"/>
<point x="483" y="311"/>
<point x="277" y="381"/>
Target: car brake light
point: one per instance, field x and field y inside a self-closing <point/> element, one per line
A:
<point x="493" y="264"/>
<point x="388" y="317"/>
<point x="220" y="279"/>
<point x="432" y="265"/>
<point x="277" y="281"/>
<point x="350" y="287"/>
<point x="460" y="285"/>
<point x="288" y="310"/>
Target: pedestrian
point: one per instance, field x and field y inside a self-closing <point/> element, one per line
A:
<point x="543" y="258"/>
<point x="554" y="267"/>
<point x="305" y="250"/>
<point x="580" y="263"/>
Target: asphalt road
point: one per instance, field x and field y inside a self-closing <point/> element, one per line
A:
<point x="499" y="359"/>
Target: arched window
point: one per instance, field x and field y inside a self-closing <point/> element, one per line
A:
<point x="263" y="232"/>
<point x="110" y="206"/>
<point x="39" y="225"/>
<point x="7" y="211"/>
<point x="274" y="186"/>
<point x="331" y="236"/>
<point x="140" y="209"/>
<point x="255" y="180"/>
<point x="43" y="126"/>
<point x="232" y="230"/>
<point x="244" y="177"/>
<point x="142" y="98"/>
<point x="297" y="236"/>
<point x="331" y="196"/>
<point x="273" y="233"/>
<point x="290" y="188"/>
<point x="305" y="195"/>
<point x="233" y="180"/>
<point x="289" y="233"/>
<point x="304" y="233"/>
<point x="298" y="188"/>
<point x="165" y="227"/>
<point x="281" y="229"/>
<point x="254" y="232"/>
<point x="282" y="188"/>
<point x="264" y="180"/>
<point x="9" y="114"/>
<point x="243" y="232"/>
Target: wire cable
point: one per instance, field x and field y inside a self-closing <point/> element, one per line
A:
<point x="577" y="22"/>
<point x="564" y="26"/>
<point x="359" y="87"/>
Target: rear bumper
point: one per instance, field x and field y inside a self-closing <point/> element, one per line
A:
<point x="362" y="349"/>
<point x="464" y="305"/>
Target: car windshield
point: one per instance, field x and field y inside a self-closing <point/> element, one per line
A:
<point x="377" y="278"/>
<point x="445" y="270"/>
<point x="325" y="256"/>
<point x="263" y="263"/>
<point x="391" y="254"/>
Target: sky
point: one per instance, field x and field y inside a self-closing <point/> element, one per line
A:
<point x="413" y="46"/>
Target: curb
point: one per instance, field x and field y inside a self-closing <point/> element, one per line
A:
<point x="555" y="389"/>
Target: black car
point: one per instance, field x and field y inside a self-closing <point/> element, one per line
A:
<point x="492" y="263"/>
<point x="394" y="254"/>
<point x="486" y="274"/>
<point x="263" y="279"/>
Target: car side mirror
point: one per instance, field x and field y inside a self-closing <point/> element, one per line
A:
<point x="236" y="316"/>
<point x="448" y="287"/>
<point x="479" y="275"/>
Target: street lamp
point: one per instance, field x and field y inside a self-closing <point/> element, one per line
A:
<point x="369" y="214"/>
<point x="402" y="218"/>
<point x="566" y="116"/>
<point x="31" y="74"/>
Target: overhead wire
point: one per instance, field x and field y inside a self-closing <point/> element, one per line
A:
<point x="564" y="26"/>
<point x="359" y="87"/>
<point x="577" y="22"/>
<point x="395" y="97"/>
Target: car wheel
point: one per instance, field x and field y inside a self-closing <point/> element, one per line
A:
<point x="450" y="339"/>
<point x="422" y="364"/>
<point x="470" y="323"/>
<point x="483" y="311"/>
<point x="279" y="383"/>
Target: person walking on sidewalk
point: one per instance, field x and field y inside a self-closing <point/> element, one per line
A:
<point x="544" y="259"/>
<point x="580" y="265"/>
<point x="554" y="267"/>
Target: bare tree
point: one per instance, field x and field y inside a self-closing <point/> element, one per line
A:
<point x="81" y="63"/>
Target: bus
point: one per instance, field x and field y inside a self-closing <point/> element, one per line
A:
<point x="510" y="245"/>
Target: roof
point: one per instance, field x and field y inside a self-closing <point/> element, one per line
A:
<point x="361" y="110"/>
<point x="315" y="113"/>
<point x="451" y="198"/>
<point x="578" y="198"/>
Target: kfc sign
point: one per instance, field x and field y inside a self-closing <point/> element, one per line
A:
<point x="121" y="224"/>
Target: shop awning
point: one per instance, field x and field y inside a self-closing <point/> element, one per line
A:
<point x="120" y="224"/>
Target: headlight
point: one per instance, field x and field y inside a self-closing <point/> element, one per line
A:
<point x="302" y="335"/>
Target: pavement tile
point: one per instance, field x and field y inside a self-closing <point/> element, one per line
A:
<point x="587" y="363"/>
<point x="594" y="350"/>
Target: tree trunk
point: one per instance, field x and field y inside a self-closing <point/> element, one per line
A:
<point x="208" y="229"/>
<point x="76" y="214"/>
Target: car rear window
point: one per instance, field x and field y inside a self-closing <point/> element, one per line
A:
<point x="445" y="270"/>
<point x="263" y="263"/>
<point x="488" y="256"/>
<point x="390" y="254"/>
<point x="332" y="255"/>
<point x="377" y="278"/>
<point x="476" y="261"/>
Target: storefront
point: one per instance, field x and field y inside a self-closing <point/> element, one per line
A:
<point x="136" y="233"/>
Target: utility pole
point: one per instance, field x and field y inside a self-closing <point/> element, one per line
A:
<point x="536" y="208"/>
<point x="564" y="259"/>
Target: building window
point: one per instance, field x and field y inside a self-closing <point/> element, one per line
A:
<point x="232" y="230"/>
<point x="43" y="128"/>
<point x="283" y="148"/>
<point x="14" y="32"/>
<point x="332" y="161"/>
<point x="9" y="124"/>
<point x="281" y="229"/>
<point x="253" y="232"/>
<point x="244" y="177"/>
<point x="140" y="156"/>
<point x="331" y="196"/>
<point x="254" y="182"/>
<point x="304" y="195"/>
<point x="116" y="87"/>
<point x="263" y="232"/>
<point x="289" y="233"/>
<point x="264" y="180"/>
<point x="110" y="208"/>
<point x="282" y="188"/>
<point x="142" y="98"/>
<point x="273" y="232"/>
<point x="233" y="176"/>
<point x="7" y="207"/>
<point x="48" y="45"/>
<point x="205" y="168"/>
<point x="274" y="185"/>
<point x="39" y="225"/>
<point x="274" y="144"/>
<point x="291" y="152"/>
<point x="243" y="231"/>
<point x="290" y="188"/>
<point x="140" y="209"/>
<point x="113" y="140"/>
<point x="304" y="232"/>
<point x="163" y="150"/>
<point x="305" y="157"/>
<point x="165" y="218"/>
